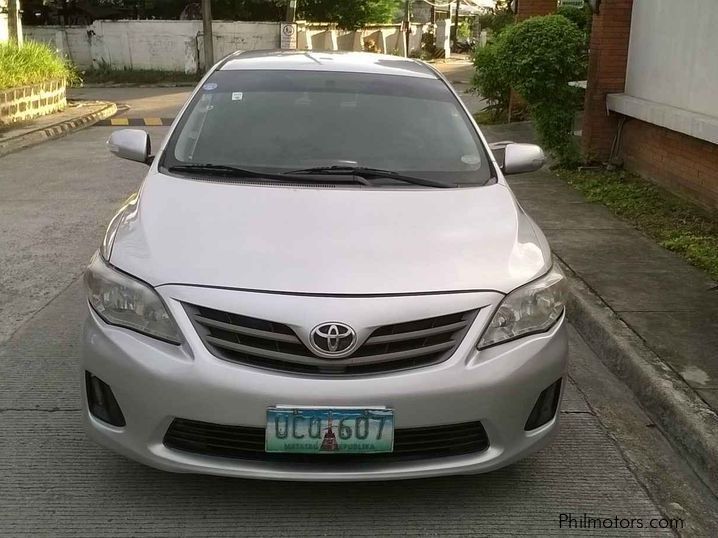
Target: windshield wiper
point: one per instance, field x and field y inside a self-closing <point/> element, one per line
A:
<point x="370" y="173"/>
<point x="223" y="169"/>
<point x="245" y="173"/>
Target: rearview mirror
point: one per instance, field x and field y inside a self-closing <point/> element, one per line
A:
<point x="132" y="144"/>
<point x="521" y="158"/>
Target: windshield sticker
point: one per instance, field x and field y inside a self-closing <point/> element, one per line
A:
<point x="210" y="86"/>
<point x="471" y="159"/>
<point x="237" y="96"/>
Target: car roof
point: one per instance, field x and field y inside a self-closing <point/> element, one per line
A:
<point x="351" y="62"/>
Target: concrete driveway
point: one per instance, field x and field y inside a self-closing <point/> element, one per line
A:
<point x="55" y="200"/>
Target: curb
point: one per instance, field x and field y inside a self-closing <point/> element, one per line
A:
<point x="688" y="422"/>
<point x="56" y="130"/>
<point x="187" y="84"/>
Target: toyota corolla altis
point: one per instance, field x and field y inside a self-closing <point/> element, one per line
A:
<point x="324" y="276"/>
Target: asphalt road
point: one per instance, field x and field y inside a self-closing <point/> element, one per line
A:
<point x="55" y="200"/>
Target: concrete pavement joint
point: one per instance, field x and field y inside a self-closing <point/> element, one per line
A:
<point x="630" y="465"/>
<point x="669" y="401"/>
<point x="666" y="477"/>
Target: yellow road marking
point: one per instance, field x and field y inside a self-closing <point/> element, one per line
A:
<point x="119" y="121"/>
<point x="153" y="121"/>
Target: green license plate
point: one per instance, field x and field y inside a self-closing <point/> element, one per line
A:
<point x="329" y="430"/>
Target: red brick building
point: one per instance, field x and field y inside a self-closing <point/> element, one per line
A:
<point x="652" y="94"/>
<point x="533" y="8"/>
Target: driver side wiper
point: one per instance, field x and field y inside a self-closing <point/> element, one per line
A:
<point x="370" y="173"/>
<point x="244" y="173"/>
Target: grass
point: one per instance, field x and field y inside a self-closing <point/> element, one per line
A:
<point x="104" y="74"/>
<point x="674" y="223"/>
<point x="32" y="63"/>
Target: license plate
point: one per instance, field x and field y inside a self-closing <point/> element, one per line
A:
<point x="329" y="431"/>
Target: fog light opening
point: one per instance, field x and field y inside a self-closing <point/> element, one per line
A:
<point x="545" y="408"/>
<point x="101" y="401"/>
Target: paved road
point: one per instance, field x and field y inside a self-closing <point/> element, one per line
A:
<point x="141" y="102"/>
<point x="54" y="202"/>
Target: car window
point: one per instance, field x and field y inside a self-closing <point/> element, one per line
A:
<point x="280" y="121"/>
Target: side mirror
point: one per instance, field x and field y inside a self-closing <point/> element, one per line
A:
<point x="521" y="158"/>
<point x="132" y="144"/>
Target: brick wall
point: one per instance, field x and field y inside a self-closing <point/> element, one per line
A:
<point x="681" y="163"/>
<point x="27" y="102"/>
<point x="533" y="8"/>
<point x="606" y="74"/>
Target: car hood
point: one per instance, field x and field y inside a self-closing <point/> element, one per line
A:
<point x="328" y="240"/>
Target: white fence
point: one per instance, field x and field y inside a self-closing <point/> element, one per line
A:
<point x="177" y="45"/>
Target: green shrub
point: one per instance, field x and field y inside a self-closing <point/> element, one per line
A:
<point x="464" y="30"/>
<point x="579" y="16"/>
<point x="540" y="56"/>
<point x="491" y="82"/>
<point x="32" y="63"/>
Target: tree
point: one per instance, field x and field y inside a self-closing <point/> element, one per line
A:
<point x="349" y="14"/>
<point x="497" y="19"/>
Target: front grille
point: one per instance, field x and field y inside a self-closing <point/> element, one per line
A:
<point x="242" y="442"/>
<point x="267" y="344"/>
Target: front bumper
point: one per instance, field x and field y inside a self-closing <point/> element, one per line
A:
<point x="155" y="382"/>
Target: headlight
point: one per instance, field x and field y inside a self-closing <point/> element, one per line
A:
<point x="124" y="301"/>
<point x="532" y="308"/>
<point x="106" y="247"/>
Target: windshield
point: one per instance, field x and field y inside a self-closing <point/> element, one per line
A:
<point x="282" y="121"/>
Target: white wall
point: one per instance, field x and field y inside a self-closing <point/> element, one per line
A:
<point x="177" y="45"/>
<point x="164" y="45"/>
<point x="240" y="35"/>
<point x="673" y="54"/>
<point x="388" y="37"/>
<point x="73" y="41"/>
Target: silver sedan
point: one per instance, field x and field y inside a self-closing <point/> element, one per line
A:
<point x="324" y="276"/>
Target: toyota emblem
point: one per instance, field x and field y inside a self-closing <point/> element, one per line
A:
<point x="332" y="338"/>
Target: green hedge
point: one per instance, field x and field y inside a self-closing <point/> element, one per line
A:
<point x="538" y="58"/>
<point x="30" y="64"/>
<point x="491" y="82"/>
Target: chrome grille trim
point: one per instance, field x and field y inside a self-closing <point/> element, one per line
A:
<point x="247" y="331"/>
<point x="416" y="334"/>
<point x="275" y="346"/>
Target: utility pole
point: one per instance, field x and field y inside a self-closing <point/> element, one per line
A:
<point x="407" y="26"/>
<point x="207" y="31"/>
<point x="456" y="24"/>
<point x="13" y="13"/>
<point x="292" y="11"/>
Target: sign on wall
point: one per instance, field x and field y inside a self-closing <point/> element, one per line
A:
<point x="572" y="3"/>
<point x="288" y="32"/>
